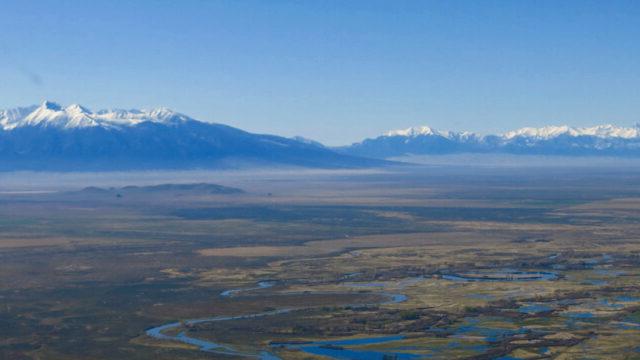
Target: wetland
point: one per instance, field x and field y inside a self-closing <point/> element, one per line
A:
<point x="433" y="262"/>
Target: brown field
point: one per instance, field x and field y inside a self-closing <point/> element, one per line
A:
<point x="85" y="275"/>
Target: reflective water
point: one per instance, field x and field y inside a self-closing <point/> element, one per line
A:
<point x="534" y="308"/>
<point x="318" y="348"/>
<point x="503" y="276"/>
<point x="261" y="285"/>
<point x="339" y="349"/>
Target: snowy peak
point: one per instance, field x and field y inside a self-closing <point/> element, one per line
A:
<point x="10" y="116"/>
<point x="413" y="131"/>
<point x="77" y="109"/>
<point x="608" y="140"/>
<point x="418" y="131"/>
<point x="51" y="114"/>
<point x="53" y="137"/>
<point x="550" y="132"/>
<point x="421" y="131"/>
<point x="542" y="133"/>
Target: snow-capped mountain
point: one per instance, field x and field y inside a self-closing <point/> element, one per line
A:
<point x="416" y="131"/>
<point x="53" y="137"/>
<point x="50" y="114"/>
<point x="607" y="140"/>
<point x="600" y="131"/>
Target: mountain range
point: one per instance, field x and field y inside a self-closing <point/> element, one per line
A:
<point x="51" y="137"/>
<point x="604" y="140"/>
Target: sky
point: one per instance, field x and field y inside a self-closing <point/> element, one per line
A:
<point x="333" y="71"/>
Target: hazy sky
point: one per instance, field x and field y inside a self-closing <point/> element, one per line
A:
<point x="334" y="71"/>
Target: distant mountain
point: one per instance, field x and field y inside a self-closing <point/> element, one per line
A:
<point x="163" y="189"/>
<point x="606" y="140"/>
<point x="52" y="137"/>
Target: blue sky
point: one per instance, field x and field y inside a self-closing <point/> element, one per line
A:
<point x="334" y="71"/>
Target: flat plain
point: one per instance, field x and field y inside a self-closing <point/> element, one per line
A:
<point x="411" y="262"/>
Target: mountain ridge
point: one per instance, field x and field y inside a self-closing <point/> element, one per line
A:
<point x="75" y="116"/>
<point x="548" y="140"/>
<point x="603" y="130"/>
<point x="52" y="137"/>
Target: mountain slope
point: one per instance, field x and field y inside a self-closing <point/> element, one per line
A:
<point x="50" y="137"/>
<point x="606" y="140"/>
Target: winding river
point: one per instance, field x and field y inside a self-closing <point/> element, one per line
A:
<point x="310" y="347"/>
<point x="332" y="348"/>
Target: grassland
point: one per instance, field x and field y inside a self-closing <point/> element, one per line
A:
<point x="84" y="274"/>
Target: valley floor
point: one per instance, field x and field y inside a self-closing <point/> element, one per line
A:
<point x="416" y="262"/>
